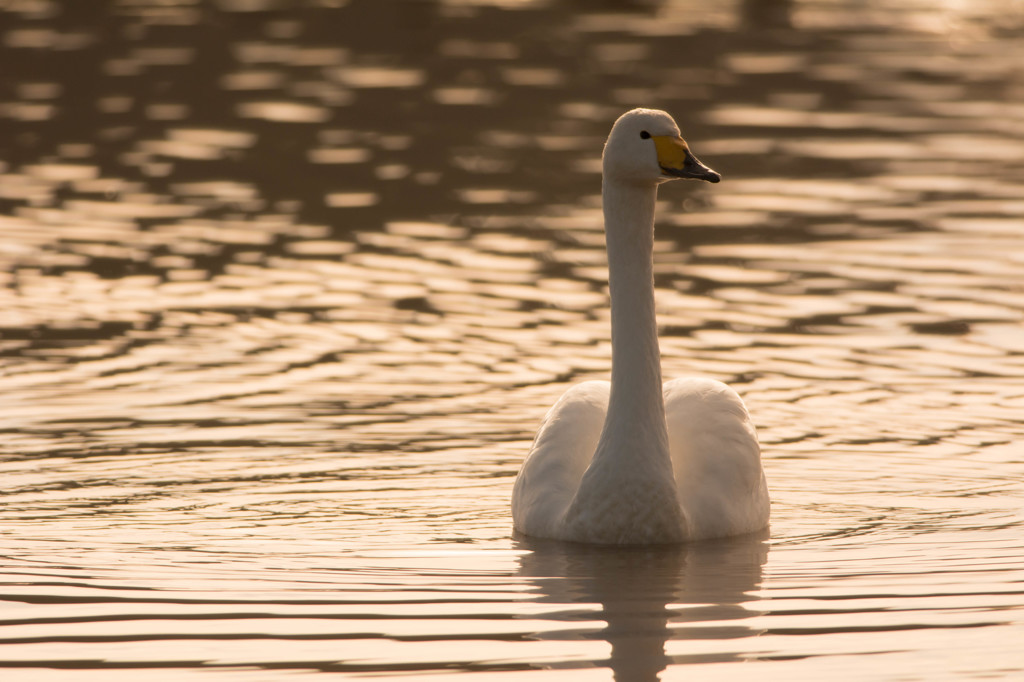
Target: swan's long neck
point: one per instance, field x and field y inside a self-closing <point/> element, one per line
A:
<point x="628" y="494"/>
<point x="635" y="425"/>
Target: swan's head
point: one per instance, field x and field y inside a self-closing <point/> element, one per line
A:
<point x="645" y="147"/>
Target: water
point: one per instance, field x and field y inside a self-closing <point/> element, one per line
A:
<point x="288" y="286"/>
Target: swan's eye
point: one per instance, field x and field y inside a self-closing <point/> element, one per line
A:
<point x="644" y="134"/>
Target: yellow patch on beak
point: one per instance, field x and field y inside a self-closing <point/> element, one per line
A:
<point x="677" y="161"/>
<point x="672" y="151"/>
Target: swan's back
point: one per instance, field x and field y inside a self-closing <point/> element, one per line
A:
<point x="561" y="453"/>
<point x="716" y="464"/>
<point x="716" y="459"/>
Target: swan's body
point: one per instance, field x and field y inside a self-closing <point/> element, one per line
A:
<point x="631" y="461"/>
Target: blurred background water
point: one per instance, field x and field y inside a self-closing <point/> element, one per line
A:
<point x="287" y="285"/>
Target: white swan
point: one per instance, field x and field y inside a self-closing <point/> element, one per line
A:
<point x="631" y="461"/>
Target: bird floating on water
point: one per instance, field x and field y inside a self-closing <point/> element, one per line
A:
<point x="633" y="461"/>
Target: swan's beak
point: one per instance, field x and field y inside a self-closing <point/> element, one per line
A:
<point x="677" y="161"/>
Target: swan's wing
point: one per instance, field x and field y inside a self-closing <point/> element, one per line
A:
<point x="716" y="459"/>
<point x="561" y="453"/>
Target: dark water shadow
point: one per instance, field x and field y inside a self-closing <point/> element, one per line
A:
<point x="649" y="595"/>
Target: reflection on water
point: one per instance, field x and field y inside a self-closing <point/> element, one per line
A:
<point x="649" y="595"/>
<point x="285" y="288"/>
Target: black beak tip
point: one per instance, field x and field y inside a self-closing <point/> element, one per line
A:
<point x="700" y="173"/>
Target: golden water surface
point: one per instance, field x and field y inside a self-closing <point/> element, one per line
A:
<point x="287" y="286"/>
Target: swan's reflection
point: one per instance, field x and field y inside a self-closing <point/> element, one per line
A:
<point x="635" y="586"/>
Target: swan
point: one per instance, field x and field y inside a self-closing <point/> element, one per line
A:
<point x="631" y="461"/>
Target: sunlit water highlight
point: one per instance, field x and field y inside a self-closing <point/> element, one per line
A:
<point x="286" y="292"/>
